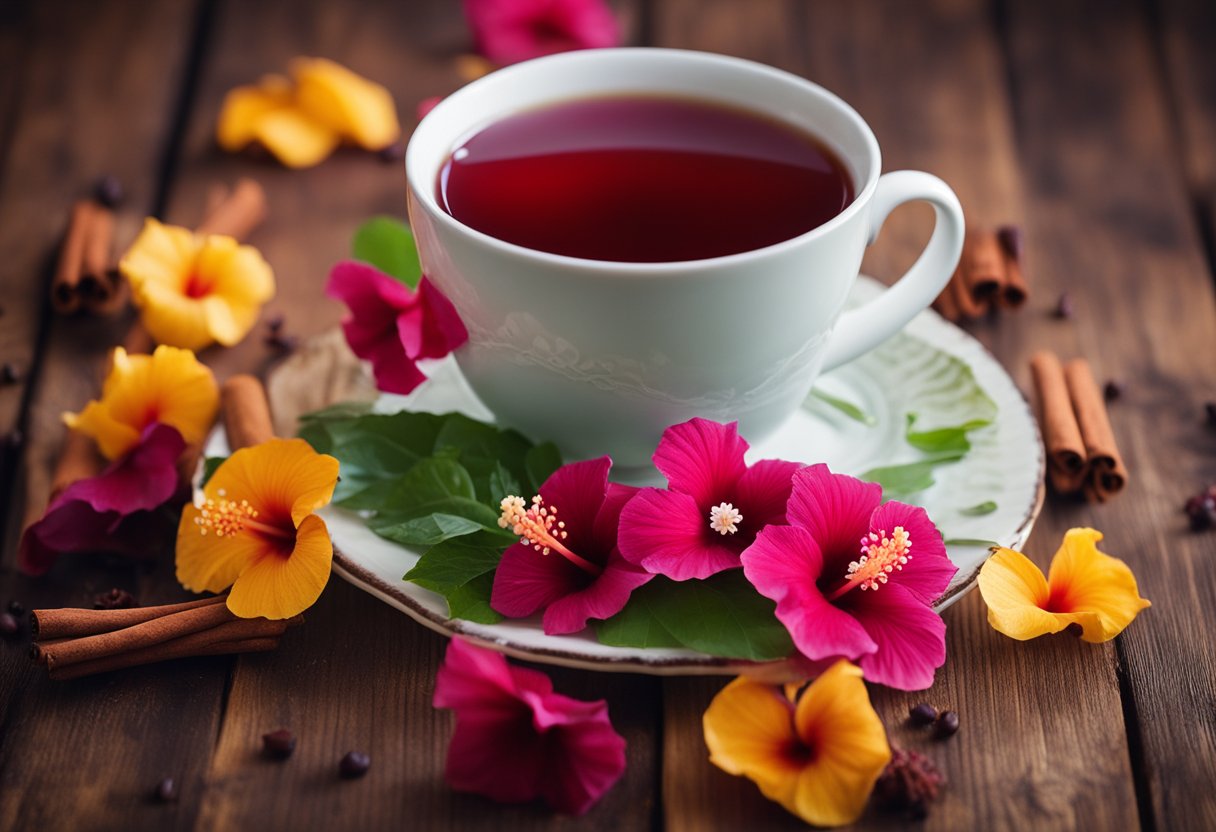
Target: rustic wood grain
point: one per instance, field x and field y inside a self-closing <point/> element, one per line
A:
<point x="930" y="80"/>
<point x="1111" y="222"/>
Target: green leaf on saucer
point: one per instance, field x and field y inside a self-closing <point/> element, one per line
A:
<point x="462" y="570"/>
<point x="979" y="509"/>
<point x="946" y="401"/>
<point x="844" y="406"/>
<point x="472" y="601"/>
<point x="388" y="244"/>
<point x="540" y="463"/>
<point x="210" y="465"/>
<point x="722" y="615"/>
<point x="909" y="478"/>
<point x="434" y="522"/>
<point x="967" y="541"/>
<point x="635" y="626"/>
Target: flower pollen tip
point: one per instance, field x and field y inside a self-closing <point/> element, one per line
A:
<point x="724" y="519"/>
<point x="224" y="517"/>
<point x="538" y="527"/>
<point x="880" y="556"/>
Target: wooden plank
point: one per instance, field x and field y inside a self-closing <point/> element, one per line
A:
<point x="98" y="93"/>
<point x="1111" y="221"/>
<point x="359" y="674"/>
<point x="929" y="79"/>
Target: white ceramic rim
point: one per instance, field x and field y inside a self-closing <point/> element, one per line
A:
<point x="425" y="191"/>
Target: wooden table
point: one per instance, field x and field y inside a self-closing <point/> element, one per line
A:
<point x="1093" y="124"/>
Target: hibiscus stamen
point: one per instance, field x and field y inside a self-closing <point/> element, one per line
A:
<point x="880" y="556"/>
<point x="724" y="518"/>
<point x="227" y="517"/>
<point x="538" y="527"/>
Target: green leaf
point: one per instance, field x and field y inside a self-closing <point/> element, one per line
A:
<point x="945" y="396"/>
<point x="502" y="482"/>
<point x="911" y="477"/>
<point x="388" y="244"/>
<point x="635" y="626"/>
<point x="722" y="615"/>
<point x="210" y="465"/>
<point x="540" y="462"/>
<point x="471" y="601"/>
<point x="844" y="406"/>
<point x="425" y="530"/>
<point x="979" y="509"/>
<point x="967" y="541"/>
<point x="457" y="561"/>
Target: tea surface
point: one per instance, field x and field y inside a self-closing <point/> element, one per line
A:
<point x="642" y="179"/>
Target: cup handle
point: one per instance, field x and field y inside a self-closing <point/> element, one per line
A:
<point x="864" y="328"/>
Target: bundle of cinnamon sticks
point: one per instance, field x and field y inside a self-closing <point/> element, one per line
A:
<point x="86" y="276"/>
<point x="1082" y="455"/>
<point x="72" y="643"/>
<point x="989" y="275"/>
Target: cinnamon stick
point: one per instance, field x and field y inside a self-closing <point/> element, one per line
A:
<point x="982" y="266"/>
<point x="945" y="304"/>
<point x="146" y="634"/>
<point x="1015" y="291"/>
<point x="1066" y="454"/>
<point x="246" y="412"/>
<point x="47" y="625"/>
<point x="238" y="213"/>
<point x="968" y="306"/>
<point x="162" y="652"/>
<point x="65" y="297"/>
<point x="99" y="279"/>
<point x="1107" y="474"/>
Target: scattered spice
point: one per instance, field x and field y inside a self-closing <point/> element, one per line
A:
<point x="115" y="599"/>
<point x="9" y="373"/>
<point x="109" y="191"/>
<point x="1010" y="238"/>
<point x="1201" y="509"/>
<point x="1112" y="391"/>
<point x="279" y="745"/>
<point x="946" y="725"/>
<point x="922" y="714"/>
<point x="166" y="791"/>
<point x="354" y="764"/>
<point x="392" y="154"/>
<point x="1064" y="309"/>
<point x="275" y="323"/>
<point x="908" y="784"/>
<point x="16" y="608"/>
<point x="9" y="625"/>
<point x="281" y="342"/>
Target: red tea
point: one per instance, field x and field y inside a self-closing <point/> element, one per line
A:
<point x="643" y="179"/>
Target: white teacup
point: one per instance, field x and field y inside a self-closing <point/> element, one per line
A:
<point x="600" y="357"/>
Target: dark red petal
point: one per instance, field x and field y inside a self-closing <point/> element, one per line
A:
<point x="527" y="581"/>
<point x="577" y="491"/>
<point x="603" y="598"/>
<point x="703" y="459"/>
<point x="762" y="493"/>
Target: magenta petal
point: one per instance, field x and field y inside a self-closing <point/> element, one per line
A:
<point x="471" y="676"/>
<point x="395" y="372"/>
<point x="911" y="637"/>
<point x="502" y="758"/>
<point x="142" y="480"/>
<point x="577" y="491"/>
<point x="527" y="581"/>
<point x="604" y="598"/>
<point x="442" y="330"/>
<point x="763" y="491"/>
<point x="507" y="31"/>
<point x="703" y="459"/>
<point x="608" y="519"/>
<point x="835" y="509"/>
<point x="373" y="297"/>
<point x="665" y="533"/>
<point x="589" y="760"/>
<point x="783" y="565"/>
<point x="928" y="572"/>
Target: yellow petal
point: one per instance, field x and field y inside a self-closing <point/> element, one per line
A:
<point x="162" y="255"/>
<point x="207" y="563"/>
<point x="749" y="730"/>
<point x="1017" y="596"/>
<point x="279" y="587"/>
<point x="295" y="138"/>
<point x="173" y="318"/>
<point x="848" y="745"/>
<point x="235" y="272"/>
<point x="282" y="478"/>
<point x="170" y="386"/>
<point x="1085" y="580"/>
<point x="351" y="105"/>
<point x="244" y="106"/>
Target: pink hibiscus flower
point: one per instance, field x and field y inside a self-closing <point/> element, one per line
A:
<point x="854" y="577"/>
<point x="113" y="512"/>
<point x="508" y="31"/>
<point x="391" y="325"/>
<point x="516" y="740"/>
<point x="713" y="507"/>
<point x="567" y="565"/>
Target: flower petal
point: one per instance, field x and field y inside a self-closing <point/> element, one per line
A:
<point x="576" y="492"/>
<point x="929" y="570"/>
<point x="1084" y="579"/>
<point x="508" y="31"/>
<point x="171" y="317"/>
<point x="603" y="598"/>
<point x="835" y="718"/>
<point x="442" y="329"/>
<point x="664" y="532"/>
<point x="783" y="565"/>
<point x="911" y="637"/>
<point x="749" y="731"/>
<point x="206" y="563"/>
<point x="243" y="106"/>
<point x="835" y="509"/>
<point x="527" y="581"/>
<point x="278" y="587"/>
<point x="1016" y="594"/>
<point x="476" y="678"/>
<point x="500" y="757"/>
<point x="703" y="459"/>
<point x="586" y="756"/>
<point x="349" y="104"/>
<point x="284" y="479"/>
<point x="162" y="255"/>
<point x="113" y="438"/>
<point x="763" y="492"/>
<point x="294" y="138"/>
<point x="144" y="479"/>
